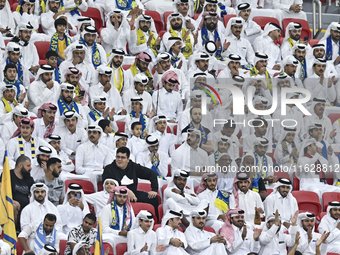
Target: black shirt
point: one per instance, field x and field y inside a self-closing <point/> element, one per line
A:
<point x="20" y="188"/>
<point x="133" y="171"/>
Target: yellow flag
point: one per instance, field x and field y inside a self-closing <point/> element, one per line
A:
<point x="98" y="248"/>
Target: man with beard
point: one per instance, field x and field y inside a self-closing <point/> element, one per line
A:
<point x="201" y="65"/>
<point x="51" y="179"/>
<point x="308" y="236"/>
<point x="8" y="100"/>
<point x="7" y="25"/>
<point x="12" y="123"/>
<point x="53" y="11"/>
<point x="299" y="52"/>
<point x="319" y="84"/>
<point x="38" y="207"/>
<point x="251" y="29"/>
<point x="281" y="199"/>
<point x="175" y="29"/>
<point x="21" y="182"/>
<point x="288" y="66"/>
<point x="118" y="76"/>
<point x="201" y="241"/>
<point x="39" y="164"/>
<point x="43" y="89"/>
<point x="332" y="41"/>
<point x="184" y="7"/>
<point x="66" y="103"/>
<point x="223" y="145"/>
<point x="74" y="76"/>
<point x="331" y="223"/>
<point x="144" y="37"/>
<point x="45" y="123"/>
<point x="233" y="63"/>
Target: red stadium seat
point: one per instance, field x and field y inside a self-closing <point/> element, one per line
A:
<point x="209" y="229"/>
<point x="240" y="151"/>
<point x="175" y="129"/>
<point x="121" y="248"/>
<point x="177" y="145"/>
<point x="279" y="41"/>
<point x="312" y="42"/>
<point x="160" y="212"/>
<point x="156" y="226"/>
<point x="282" y="174"/>
<point x="296" y="181"/>
<point x="165" y="17"/>
<point x="322" y="214"/>
<point x="196" y="15"/>
<point x="168" y="129"/>
<point x="169" y="172"/>
<point x="226" y="18"/>
<point x="87" y="185"/>
<point x="20" y="250"/>
<point x="12" y="2"/>
<point x="126" y="67"/>
<point x="329" y="178"/>
<point x="269" y="191"/>
<point x="100" y="186"/>
<point x="330" y="253"/>
<point x="329" y="197"/>
<point x="137" y="207"/>
<point x="157" y="19"/>
<point x="195" y="189"/>
<point x="163" y="188"/>
<point x="308" y="201"/>
<point x="121" y="125"/>
<point x="105" y="246"/>
<point x="334" y="117"/>
<point x="305" y="27"/>
<point x="62" y="246"/>
<point x="42" y="48"/>
<point x="7" y="41"/>
<point x="42" y="62"/>
<point x="161" y="33"/>
<point x="272" y="156"/>
<point x="144" y="187"/>
<point x="14" y="7"/>
<point x="94" y="13"/>
<point x="263" y="21"/>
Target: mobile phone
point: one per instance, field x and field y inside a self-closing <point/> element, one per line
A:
<point x="82" y="93"/>
<point x="306" y="38"/>
<point x="77" y="195"/>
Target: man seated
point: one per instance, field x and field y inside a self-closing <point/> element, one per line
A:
<point x="201" y="241"/>
<point x="251" y="29"/>
<point x="8" y="100"/>
<point x="117" y="217"/>
<point x="330" y="224"/>
<point x="127" y="173"/>
<point x="83" y="233"/>
<point x="45" y="123"/>
<point x="122" y="140"/>
<point x="218" y="200"/>
<point x="39" y="206"/>
<point x="38" y="234"/>
<point x="115" y="61"/>
<point x="240" y="239"/>
<point x="107" y="138"/>
<point x="223" y="146"/>
<point x="289" y="9"/>
<point x="74" y="208"/>
<point x="169" y="235"/>
<point x="331" y="40"/>
<point x="39" y="165"/>
<point x="52" y="181"/>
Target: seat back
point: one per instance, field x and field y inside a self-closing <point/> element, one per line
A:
<point x="95" y="14"/>
<point x="87" y="185"/>
<point x="121" y="248"/>
<point x="137" y="207"/>
<point x="121" y="126"/>
<point x="308" y="201"/>
<point x="42" y="48"/>
<point x="157" y="19"/>
<point x="62" y="246"/>
<point x="263" y="21"/>
<point x="165" y="18"/>
<point x="226" y="18"/>
<point x="329" y="197"/>
<point x="334" y="117"/>
<point x="305" y="27"/>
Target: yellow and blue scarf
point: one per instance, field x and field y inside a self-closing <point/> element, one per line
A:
<point x="222" y="200"/>
<point x="253" y="72"/>
<point x="17" y="84"/>
<point x="115" y="216"/>
<point x="57" y="74"/>
<point x="329" y="48"/>
<point x="187" y="50"/>
<point x="155" y="164"/>
<point x="126" y="5"/>
<point x="96" y="59"/>
<point x="255" y="184"/>
<point x="142" y="119"/>
<point x="119" y="86"/>
<point x="204" y="134"/>
<point x="174" y="59"/>
<point x="21" y="146"/>
<point x="95" y="115"/>
<point x="63" y="107"/>
<point x="55" y="41"/>
<point x="141" y="40"/>
<point x="20" y="69"/>
<point x="303" y="70"/>
<point x="7" y="105"/>
<point x="216" y="154"/>
<point x="265" y="163"/>
<point x="205" y="39"/>
<point x="198" y="6"/>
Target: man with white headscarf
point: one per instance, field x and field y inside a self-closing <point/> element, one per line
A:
<point x="8" y="100"/>
<point x="289" y="9"/>
<point x="82" y="22"/>
<point x="233" y="63"/>
<point x="38" y="207"/>
<point x="251" y="29"/>
<point x="184" y="7"/>
<point x="173" y="45"/>
<point x="330" y="223"/>
<point x="238" y="44"/>
<point x="281" y="199"/>
<point x="169" y="235"/>
<point x="128" y="9"/>
<point x="265" y="44"/>
<point x="74" y="9"/>
<point x="39" y="163"/>
<point x="223" y="145"/>
<point x="48" y="250"/>
<point x="331" y="40"/>
<point x="289" y="66"/>
<point x="292" y="37"/>
<point x="6" y="19"/>
<point x="273" y="240"/>
<point x="200" y="241"/>
<point x="76" y="56"/>
<point x="95" y="51"/>
<point x="308" y="236"/>
<point x="74" y="208"/>
<point x="176" y="29"/>
<point x="117" y="31"/>
<point x="43" y="89"/>
<point x="144" y="37"/>
<point x="300" y="53"/>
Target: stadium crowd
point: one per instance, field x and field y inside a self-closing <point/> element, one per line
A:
<point x="218" y="135"/>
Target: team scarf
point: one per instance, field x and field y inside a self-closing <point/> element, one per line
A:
<point x="119" y="86"/>
<point x="142" y="119"/>
<point x="222" y="9"/>
<point x="286" y="151"/>
<point x="43" y="6"/>
<point x="264" y="163"/>
<point x="57" y="74"/>
<point x="222" y="200"/>
<point x="291" y="43"/>
<point x="126" y="5"/>
<point x="17" y="84"/>
<point x="20" y="70"/>
<point x="253" y="72"/>
<point x="134" y="71"/>
<point x="198" y="6"/>
<point x="21" y="146"/>
<point x="55" y="41"/>
<point x="324" y="150"/>
<point x="155" y="164"/>
<point x="115" y="216"/>
<point x="96" y="59"/>
<point x="63" y="107"/>
<point x="7" y="105"/>
<point x="174" y="59"/>
<point x="40" y="238"/>
<point x="95" y="115"/>
<point x="204" y="134"/>
<point x="255" y="183"/>
<point x="187" y="50"/>
<point x="141" y="40"/>
<point x="303" y="71"/>
<point x="216" y="154"/>
<point x="329" y="48"/>
<point x="205" y="39"/>
<point x="77" y="91"/>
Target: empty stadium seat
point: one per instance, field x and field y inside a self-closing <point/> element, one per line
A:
<point x="137" y="207"/>
<point x="269" y="191"/>
<point x="14" y="7"/>
<point x="308" y="201"/>
<point x="87" y="185"/>
<point x="42" y="48"/>
<point x="95" y="14"/>
<point x="334" y="117"/>
<point x="121" y="125"/>
<point x="296" y="184"/>
<point x="329" y="197"/>
<point x="209" y="229"/>
<point x="305" y="27"/>
<point x="282" y="174"/>
<point x="126" y="67"/>
<point x="165" y="18"/>
<point x="161" y="33"/>
<point x="157" y="19"/>
<point x="121" y="248"/>
<point x="196" y="15"/>
<point x="263" y="21"/>
<point x="312" y="42"/>
<point x="226" y="18"/>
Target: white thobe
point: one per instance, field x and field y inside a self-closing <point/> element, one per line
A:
<point x="284" y="6"/>
<point x="29" y="54"/>
<point x="89" y="75"/>
<point x="47" y="23"/>
<point x="7" y="130"/>
<point x="6" y="19"/>
<point x="287" y="50"/>
<point x="329" y="224"/>
<point x="72" y="216"/>
<point x="137" y="145"/>
<point x="309" y="248"/>
<point x="98" y="200"/>
<point x="266" y="45"/>
<point x="286" y="206"/>
<point x="240" y="246"/>
<point x="241" y="47"/>
<point x="39" y="128"/>
<point x="115" y="39"/>
<point x="164" y="234"/>
<point x="102" y="53"/>
<point x="324" y="121"/>
<point x="115" y="80"/>
<point x="166" y="142"/>
<point x="317" y="89"/>
<point x="5" y="249"/>
<point x="167" y="103"/>
<point x="137" y="238"/>
<point x="335" y="49"/>
<point x="130" y="93"/>
<point x="251" y="30"/>
<point x="136" y="49"/>
<point x="211" y="37"/>
<point x="144" y="159"/>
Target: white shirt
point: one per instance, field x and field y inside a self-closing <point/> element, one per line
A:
<point x="89" y="75"/>
<point x="72" y="215"/>
<point x="5" y="248"/>
<point x="317" y="89"/>
<point x="324" y="121"/>
<point x="35" y="211"/>
<point x="29" y="53"/>
<point x="285" y="4"/>
<point x="241" y="47"/>
<point x="47" y="23"/>
<point x="309" y="248"/>
<point x="144" y="158"/>
<point x="164" y="234"/>
<point x="329" y="224"/>
<point x="287" y="50"/>
<point x="137" y="145"/>
<point x="240" y="246"/>
<point x="137" y="238"/>
<point x="91" y="157"/>
<point x="39" y="128"/>
<point x="335" y="49"/>
<point x="7" y="130"/>
<point x="130" y="93"/>
<point x="251" y="30"/>
<point x="167" y="103"/>
<point x="166" y="142"/>
<point x="136" y="49"/>
<point x="113" y="39"/>
<point x="266" y="45"/>
<point x="102" y="53"/>
<point x="98" y="200"/>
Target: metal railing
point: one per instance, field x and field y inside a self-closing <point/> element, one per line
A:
<point x="317" y="31"/>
